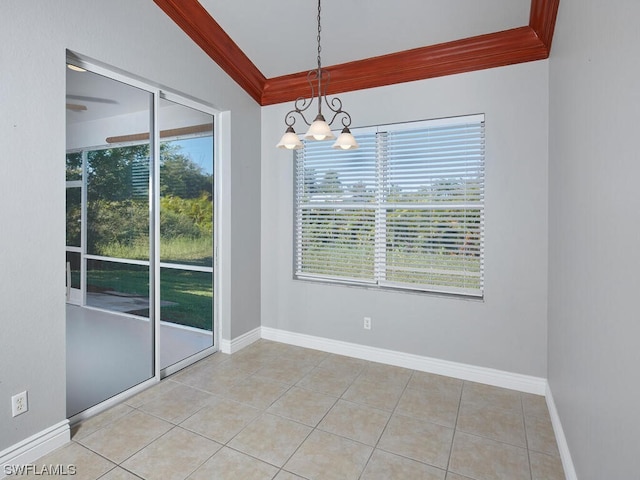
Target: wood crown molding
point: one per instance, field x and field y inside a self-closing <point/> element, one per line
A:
<point x="542" y="19"/>
<point x="518" y="45"/>
<point x="196" y="22"/>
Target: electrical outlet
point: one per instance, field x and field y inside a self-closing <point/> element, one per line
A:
<point x="19" y="404"/>
<point x="367" y="323"/>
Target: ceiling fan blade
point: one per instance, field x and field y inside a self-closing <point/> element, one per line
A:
<point x="82" y="98"/>
<point x="76" y="107"/>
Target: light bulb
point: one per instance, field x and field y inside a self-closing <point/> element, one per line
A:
<point x="346" y="141"/>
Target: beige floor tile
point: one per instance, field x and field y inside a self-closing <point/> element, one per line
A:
<point x="535" y="406"/>
<point x="221" y="419"/>
<point x="540" y="435"/>
<point x="437" y="405"/>
<point x="87" y="464"/>
<point x="546" y="467"/>
<point x="250" y="362"/>
<point x="417" y="439"/>
<point x="306" y="356"/>
<point x="126" y="436"/>
<point x="324" y="456"/>
<point x="491" y="398"/>
<point x="430" y="381"/>
<point x="94" y="424"/>
<point x="264" y="401"/>
<point x="151" y="392"/>
<point x="174" y="456"/>
<point x="217" y="379"/>
<point x="217" y="358"/>
<point x="345" y="365"/>
<point x="228" y="464"/>
<point x="329" y="382"/>
<point x="119" y="474"/>
<point x="257" y="391"/>
<point x="499" y="425"/>
<point x="484" y="459"/>
<point x="285" y="371"/>
<point x="301" y="405"/>
<point x="270" y="438"/>
<point x="455" y="476"/>
<point x="268" y="347"/>
<point x="386" y="375"/>
<point x="284" y="475"/>
<point x="374" y="394"/>
<point x="357" y="422"/>
<point x="386" y="466"/>
<point x="177" y="404"/>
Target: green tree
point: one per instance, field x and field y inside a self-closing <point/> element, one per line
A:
<point x="180" y="176"/>
<point x="330" y="183"/>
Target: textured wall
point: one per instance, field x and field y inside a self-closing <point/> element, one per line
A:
<point x="136" y="37"/>
<point x="507" y="330"/>
<point x="594" y="231"/>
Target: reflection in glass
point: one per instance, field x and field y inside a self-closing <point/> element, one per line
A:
<point x="186" y="201"/>
<point x="119" y="287"/>
<point x="186" y="231"/>
<point x="74" y="166"/>
<point x="118" y="202"/>
<point x="186" y="298"/>
<point x="73" y="259"/>
<point x="74" y="216"/>
<point x="110" y="348"/>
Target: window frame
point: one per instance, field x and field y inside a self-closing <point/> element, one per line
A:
<point x="381" y="209"/>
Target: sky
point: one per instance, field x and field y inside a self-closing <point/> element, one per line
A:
<point x="200" y="150"/>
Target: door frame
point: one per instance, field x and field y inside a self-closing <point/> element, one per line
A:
<point x="220" y="135"/>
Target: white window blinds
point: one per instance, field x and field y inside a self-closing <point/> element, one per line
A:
<point x="406" y="210"/>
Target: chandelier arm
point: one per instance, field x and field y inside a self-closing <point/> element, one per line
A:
<point x="345" y="118"/>
<point x="319" y="127"/>
<point x="290" y="119"/>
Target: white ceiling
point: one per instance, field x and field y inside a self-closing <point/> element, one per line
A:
<point x="279" y="36"/>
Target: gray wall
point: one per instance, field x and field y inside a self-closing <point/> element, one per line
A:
<point x="594" y="235"/>
<point x="135" y="36"/>
<point x="507" y="330"/>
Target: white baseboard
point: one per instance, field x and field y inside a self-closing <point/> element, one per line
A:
<point x="238" y="343"/>
<point x="561" y="440"/>
<point x="489" y="376"/>
<point x="36" y="446"/>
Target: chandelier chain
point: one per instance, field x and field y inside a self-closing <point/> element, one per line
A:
<point x="319" y="129"/>
<point x="319" y="30"/>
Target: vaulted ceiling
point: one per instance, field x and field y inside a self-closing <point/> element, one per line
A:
<point x="267" y="47"/>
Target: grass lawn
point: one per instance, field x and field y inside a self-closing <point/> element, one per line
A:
<point x="190" y="293"/>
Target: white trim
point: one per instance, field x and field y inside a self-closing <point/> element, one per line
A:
<point x="36" y="446"/>
<point x="489" y="376"/>
<point x="561" y="440"/>
<point x="238" y="343"/>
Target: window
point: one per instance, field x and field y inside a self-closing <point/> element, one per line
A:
<point x="405" y="210"/>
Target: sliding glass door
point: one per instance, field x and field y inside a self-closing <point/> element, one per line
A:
<point x="186" y="231"/>
<point x="139" y="255"/>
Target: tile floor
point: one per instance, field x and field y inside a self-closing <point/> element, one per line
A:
<point x="275" y="411"/>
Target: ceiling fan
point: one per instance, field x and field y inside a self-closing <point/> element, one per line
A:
<point x="78" y="107"/>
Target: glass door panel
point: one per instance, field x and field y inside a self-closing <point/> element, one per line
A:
<point x="110" y="346"/>
<point x="186" y="232"/>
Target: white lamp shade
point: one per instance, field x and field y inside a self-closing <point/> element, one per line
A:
<point x="319" y="130"/>
<point x="290" y="140"/>
<point x="346" y="141"/>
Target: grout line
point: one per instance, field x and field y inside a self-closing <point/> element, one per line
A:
<point x="526" y="438"/>
<point x="455" y="424"/>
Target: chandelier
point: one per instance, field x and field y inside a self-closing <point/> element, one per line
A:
<point x="319" y="129"/>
